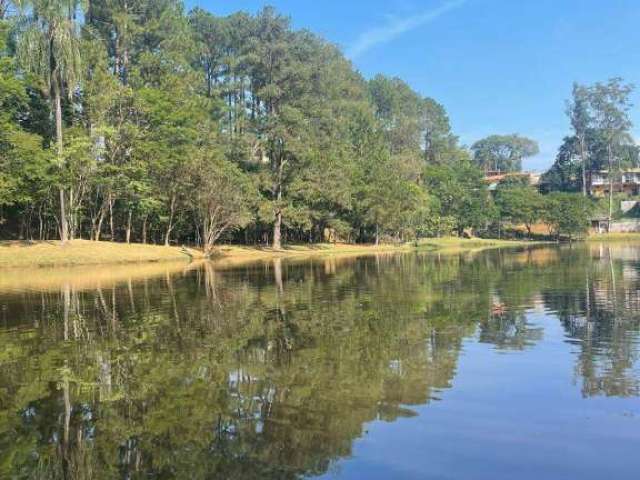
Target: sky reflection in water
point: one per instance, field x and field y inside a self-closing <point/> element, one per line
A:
<point x="503" y="364"/>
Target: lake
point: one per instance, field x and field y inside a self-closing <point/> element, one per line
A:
<point x="500" y="364"/>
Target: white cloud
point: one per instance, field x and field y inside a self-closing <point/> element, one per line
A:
<point x="385" y="33"/>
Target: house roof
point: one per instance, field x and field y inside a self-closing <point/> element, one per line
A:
<point x="534" y="178"/>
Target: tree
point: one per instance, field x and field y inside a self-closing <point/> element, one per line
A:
<point x="24" y="165"/>
<point x="581" y="119"/>
<point x="503" y="153"/>
<point x="119" y="22"/>
<point x="567" y="213"/>
<point x="565" y="174"/>
<point x="398" y="108"/>
<point x="222" y="196"/>
<point x="393" y="206"/>
<point x="439" y="142"/>
<point x="280" y="81"/>
<point x="461" y="194"/>
<point x="610" y="104"/>
<point x="520" y="205"/>
<point x="49" y="47"/>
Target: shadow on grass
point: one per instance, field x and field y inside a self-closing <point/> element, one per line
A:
<point x="27" y="243"/>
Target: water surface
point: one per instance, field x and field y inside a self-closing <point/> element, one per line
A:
<point x="498" y="365"/>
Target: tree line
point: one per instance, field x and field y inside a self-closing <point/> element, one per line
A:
<point x="137" y="121"/>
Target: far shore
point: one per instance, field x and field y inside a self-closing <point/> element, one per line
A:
<point x="614" y="237"/>
<point x="19" y="254"/>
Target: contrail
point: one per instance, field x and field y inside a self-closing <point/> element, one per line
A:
<point x="379" y="35"/>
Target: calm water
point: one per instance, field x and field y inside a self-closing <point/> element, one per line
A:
<point x="498" y="365"/>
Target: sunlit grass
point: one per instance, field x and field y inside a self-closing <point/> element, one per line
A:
<point x="85" y="252"/>
<point x="614" y="237"/>
<point x="87" y="277"/>
<point x="455" y="244"/>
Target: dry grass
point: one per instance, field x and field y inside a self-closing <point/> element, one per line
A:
<point x="87" y="277"/>
<point x="85" y="252"/>
<point x="614" y="237"/>
<point x="82" y="264"/>
<point x="234" y="255"/>
<point x="536" y="229"/>
<point x="456" y="245"/>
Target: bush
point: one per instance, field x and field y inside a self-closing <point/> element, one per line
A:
<point x="567" y="214"/>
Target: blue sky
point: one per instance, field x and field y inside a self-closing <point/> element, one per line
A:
<point x="498" y="66"/>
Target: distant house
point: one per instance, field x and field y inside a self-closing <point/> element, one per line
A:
<point x="492" y="179"/>
<point x="627" y="181"/>
<point x="599" y="224"/>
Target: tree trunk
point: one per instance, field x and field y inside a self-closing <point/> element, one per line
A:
<point x="584" y="167"/>
<point x="277" y="232"/>
<point x="129" y="227"/>
<point x="21" y="228"/>
<point x="111" y="229"/>
<point x="99" y="226"/>
<point x="277" y="226"/>
<point x="40" y="224"/>
<point x="144" y="230"/>
<point x="377" y="234"/>
<point x="611" y="184"/>
<point x="64" y="226"/>
<point x="72" y="222"/>
<point x="172" y="209"/>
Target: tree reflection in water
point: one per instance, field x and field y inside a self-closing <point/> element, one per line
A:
<point x="273" y="369"/>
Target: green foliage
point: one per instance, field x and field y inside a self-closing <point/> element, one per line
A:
<point x="567" y="214"/>
<point x="223" y="196"/>
<point x="503" y="153"/>
<point x="565" y="173"/>
<point x="24" y="165"/>
<point x="520" y="204"/>
<point x="136" y="120"/>
<point x="440" y="145"/>
<point x="462" y="195"/>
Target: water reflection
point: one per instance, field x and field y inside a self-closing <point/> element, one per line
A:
<point x="273" y="370"/>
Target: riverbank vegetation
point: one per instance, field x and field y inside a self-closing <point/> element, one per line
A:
<point x="140" y="122"/>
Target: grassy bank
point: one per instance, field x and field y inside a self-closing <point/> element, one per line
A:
<point x="614" y="237"/>
<point x="455" y="244"/>
<point x="88" y="277"/>
<point x="84" y="252"/>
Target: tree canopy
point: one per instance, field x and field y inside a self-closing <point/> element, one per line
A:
<point x="503" y="153"/>
<point x="141" y="121"/>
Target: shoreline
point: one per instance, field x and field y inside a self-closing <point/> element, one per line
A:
<point x="47" y="254"/>
<point x="613" y="237"/>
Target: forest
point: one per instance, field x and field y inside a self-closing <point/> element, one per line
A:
<point x="137" y="121"/>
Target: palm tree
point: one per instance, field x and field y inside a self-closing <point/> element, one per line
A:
<point x="49" y="48"/>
